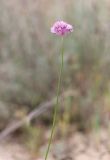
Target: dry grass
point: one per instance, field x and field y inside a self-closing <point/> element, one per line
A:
<point x="29" y="55"/>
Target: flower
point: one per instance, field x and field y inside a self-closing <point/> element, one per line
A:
<point x="61" y="28"/>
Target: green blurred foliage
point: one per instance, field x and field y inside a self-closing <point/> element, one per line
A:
<point x="29" y="56"/>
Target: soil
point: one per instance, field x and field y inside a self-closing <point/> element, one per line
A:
<point x="91" y="146"/>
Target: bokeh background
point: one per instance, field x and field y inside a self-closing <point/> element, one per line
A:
<point x="30" y="58"/>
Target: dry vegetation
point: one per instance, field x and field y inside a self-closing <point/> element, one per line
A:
<point x="29" y="59"/>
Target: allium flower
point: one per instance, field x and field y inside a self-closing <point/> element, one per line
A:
<point x="61" y="28"/>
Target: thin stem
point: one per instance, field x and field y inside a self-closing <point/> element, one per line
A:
<point x="57" y="100"/>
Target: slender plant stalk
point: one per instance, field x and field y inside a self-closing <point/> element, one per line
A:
<point x="57" y="100"/>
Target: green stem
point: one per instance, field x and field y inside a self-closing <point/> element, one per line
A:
<point x="57" y="100"/>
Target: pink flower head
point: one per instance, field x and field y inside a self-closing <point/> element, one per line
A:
<point x="61" y="28"/>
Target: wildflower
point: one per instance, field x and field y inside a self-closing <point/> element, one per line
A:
<point x="61" y="28"/>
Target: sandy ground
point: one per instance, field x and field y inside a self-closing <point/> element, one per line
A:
<point x="13" y="151"/>
<point x="77" y="147"/>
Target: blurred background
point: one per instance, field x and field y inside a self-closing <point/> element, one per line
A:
<point x="29" y="63"/>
